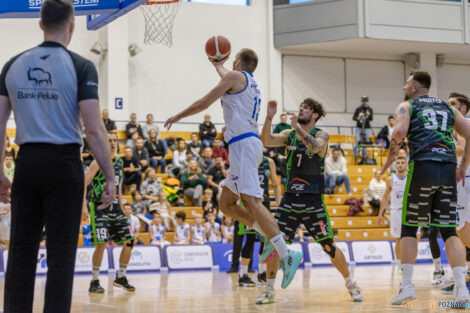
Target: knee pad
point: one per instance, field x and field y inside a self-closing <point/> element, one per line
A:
<point x="130" y="243"/>
<point x="329" y="247"/>
<point x="408" y="231"/>
<point x="447" y="232"/>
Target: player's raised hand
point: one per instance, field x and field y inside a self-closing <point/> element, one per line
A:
<point x="109" y="194"/>
<point x="272" y="108"/>
<point x="172" y="120"/>
<point x="220" y="62"/>
<point x="5" y="187"/>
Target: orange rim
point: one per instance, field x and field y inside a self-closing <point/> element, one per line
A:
<point x="161" y="2"/>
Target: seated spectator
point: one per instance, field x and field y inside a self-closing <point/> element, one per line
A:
<point x="283" y="125"/>
<point x="152" y="186"/>
<point x="9" y="167"/>
<point x="109" y="124"/>
<point x="183" y="233"/>
<point x="385" y="134"/>
<point x="227" y="229"/>
<point x="376" y="190"/>
<point x="218" y="150"/>
<point x="212" y="229"/>
<point x="141" y="154"/>
<point x="208" y="203"/>
<point x="207" y="131"/>
<point x="139" y="204"/>
<point x="148" y="126"/>
<point x="132" y="173"/>
<point x="216" y="175"/>
<point x="133" y="131"/>
<point x="206" y="162"/>
<point x="336" y="172"/>
<point x="156" y="151"/>
<point x="195" y="146"/>
<point x="198" y="231"/>
<point x="179" y="160"/>
<point x="9" y="150"/>
<point x="157" y="231"/>
<point x="192" y="182"/>
<point x="162" y="207"/>
<point x="134" y="222"/>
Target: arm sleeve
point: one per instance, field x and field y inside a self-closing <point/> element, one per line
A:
<point x="87" y="78"/>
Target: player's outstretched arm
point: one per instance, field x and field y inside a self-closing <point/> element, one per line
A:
<point x="385" y="199"/>
<point x="402" y="124"/>
<point x="269" y="139"/>
<point x="463" y="128"/>
<point x="317" y="144"/>
<point x="219" y="66"/>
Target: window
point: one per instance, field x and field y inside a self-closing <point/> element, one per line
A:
<point x="227" y="2"/>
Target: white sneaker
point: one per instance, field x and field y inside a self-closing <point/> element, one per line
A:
<point x="461" y="294"/>
<point x="355" y="292"/>
<point x="266" y="298"/>
<point x="437" y="277"/>
<point x="405" y="293"/>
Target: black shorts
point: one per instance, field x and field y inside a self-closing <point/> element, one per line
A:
<point x="430" y="195"/>
<point x="306" y="209"/>
<point x="110" y="224"/>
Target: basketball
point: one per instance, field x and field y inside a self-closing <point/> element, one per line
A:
<point x="218" y="47"/>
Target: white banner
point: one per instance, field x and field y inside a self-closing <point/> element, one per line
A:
<point x="318" y="256"/>
<point x="371" y="251"/>
<point x="189" y="257"/>
<point x="424" y="251"/>
<point x="144" y="258"/>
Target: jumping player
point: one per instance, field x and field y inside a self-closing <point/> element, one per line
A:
<point x="108" y="224"/>
<point x="303" y="203"/>
<point x="431" y="192"/>
<point x="241" y="100"/>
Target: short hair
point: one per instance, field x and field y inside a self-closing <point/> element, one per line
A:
<point x="422" y="77"/>
<point x="127" y="204"/>
<point x="249" y="60"/>
<point x="195" y="134"/>
<point x="336" y="149"/>
<point x="149" y="114"/>
<point x="463" y="99"/>
<point x="391" y="116"/>
<point x="315" y="106"/>
<point x="127" y="148"/>
<point x="284" y="114"/>
<point x="156" y="214"/>
<point x="181" y="215"/>
<point x="401" y="158"/>
<point x="55" y="14"/>
<point x="208" y="190"/>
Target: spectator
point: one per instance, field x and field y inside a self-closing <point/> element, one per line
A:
<point x="132" y="173"/>
<point x="192" y="182"/>
<point x="207" y="131"/>
<point x="156" y="150"/>
<point x="195" y="146"/>
<point x="227" y="229"/>
<point x="206" y="162"/>
<point x="212" y="228"/>
<point x="9" y="150"/>
<point x="183" y="234"/>
<point x="109" y="124"/>
<point x="198" y="236"/>
<point x="218" y="150"/>
<point x="385" y="134"/>
<point x="152" y="186"/>
<point x="208" y="203"/>
<point x="179" y="160"/>
<point x="9" y="167"/>
<point x="282" y="125"/>
<point x="162" y="206"/>
<point x="216" y="175"/>
<point x="141" y="154"/>
<point x="139" y="205"/>
<point x="376" y="190"/>
<point x="133" y="131"/>
<point x="148" y="126"/>
<point x="157" y="231"/>
<point x="363" y="116"/>
<point x="336" y="172"/>
<point x="134" y="222"/>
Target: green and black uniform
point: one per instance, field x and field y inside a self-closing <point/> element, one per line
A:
<point x="109" y="224"/>
<point x="303" y="201"/>
<point x="431" y="192"/>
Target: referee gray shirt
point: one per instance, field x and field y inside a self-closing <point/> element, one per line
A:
<point x="44" y="86"/>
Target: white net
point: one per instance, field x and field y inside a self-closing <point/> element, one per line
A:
<point x="159" y="19"/>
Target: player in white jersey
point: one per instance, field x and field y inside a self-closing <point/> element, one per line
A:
<point x="241" y="99"/>
<point x="393" y="199"/>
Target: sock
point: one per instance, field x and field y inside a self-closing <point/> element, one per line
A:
<point x="348" y="279"/>
<point x="459" y="276"/>
<point x="280" y="246"/>
<point x="95" y="272"/>
<point x="243" y="270"/>
<point x="258" y="228"/>
<point x="270" y="285"/>
<point x="407" y="274"/>
<point x="122" y="270"/>
<point x="261" y="268"/>
<point x="437" y="264"/>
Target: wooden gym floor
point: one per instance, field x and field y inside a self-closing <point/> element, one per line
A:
<point x="313" y="290"/>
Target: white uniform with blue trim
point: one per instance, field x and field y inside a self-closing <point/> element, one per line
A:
<point x="241" y="112"/>
<point x="463" y="199"/>
<point x="396" y="205"/>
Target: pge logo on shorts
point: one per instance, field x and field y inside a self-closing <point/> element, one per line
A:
<point x="298" y="187"/>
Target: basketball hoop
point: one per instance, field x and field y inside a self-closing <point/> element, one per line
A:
<point x="159" y="19"/>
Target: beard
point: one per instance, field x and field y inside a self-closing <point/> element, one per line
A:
<point x="304" y="120"/>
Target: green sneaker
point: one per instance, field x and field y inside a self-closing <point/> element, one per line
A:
<point x="265" y="298"/>
<point x="289" y="266"/>
<point x="269" y="252"/>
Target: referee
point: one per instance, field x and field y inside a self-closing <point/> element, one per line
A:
<point x="49" y="88"/>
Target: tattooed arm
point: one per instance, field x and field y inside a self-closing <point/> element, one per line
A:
<point x="462" y="126"/>
<point x="267" y="137"/>
<point x="317" y="144"/>
<point x="402" y="117"/>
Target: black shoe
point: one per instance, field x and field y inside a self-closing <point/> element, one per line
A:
<point x="246" y="281"/>
<point x="95" y="287"/>
<point x="251" y="270"/>
<point x="233" y="269"/>
<point x="123" y="283"/>
<point x="262" y="277"/>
